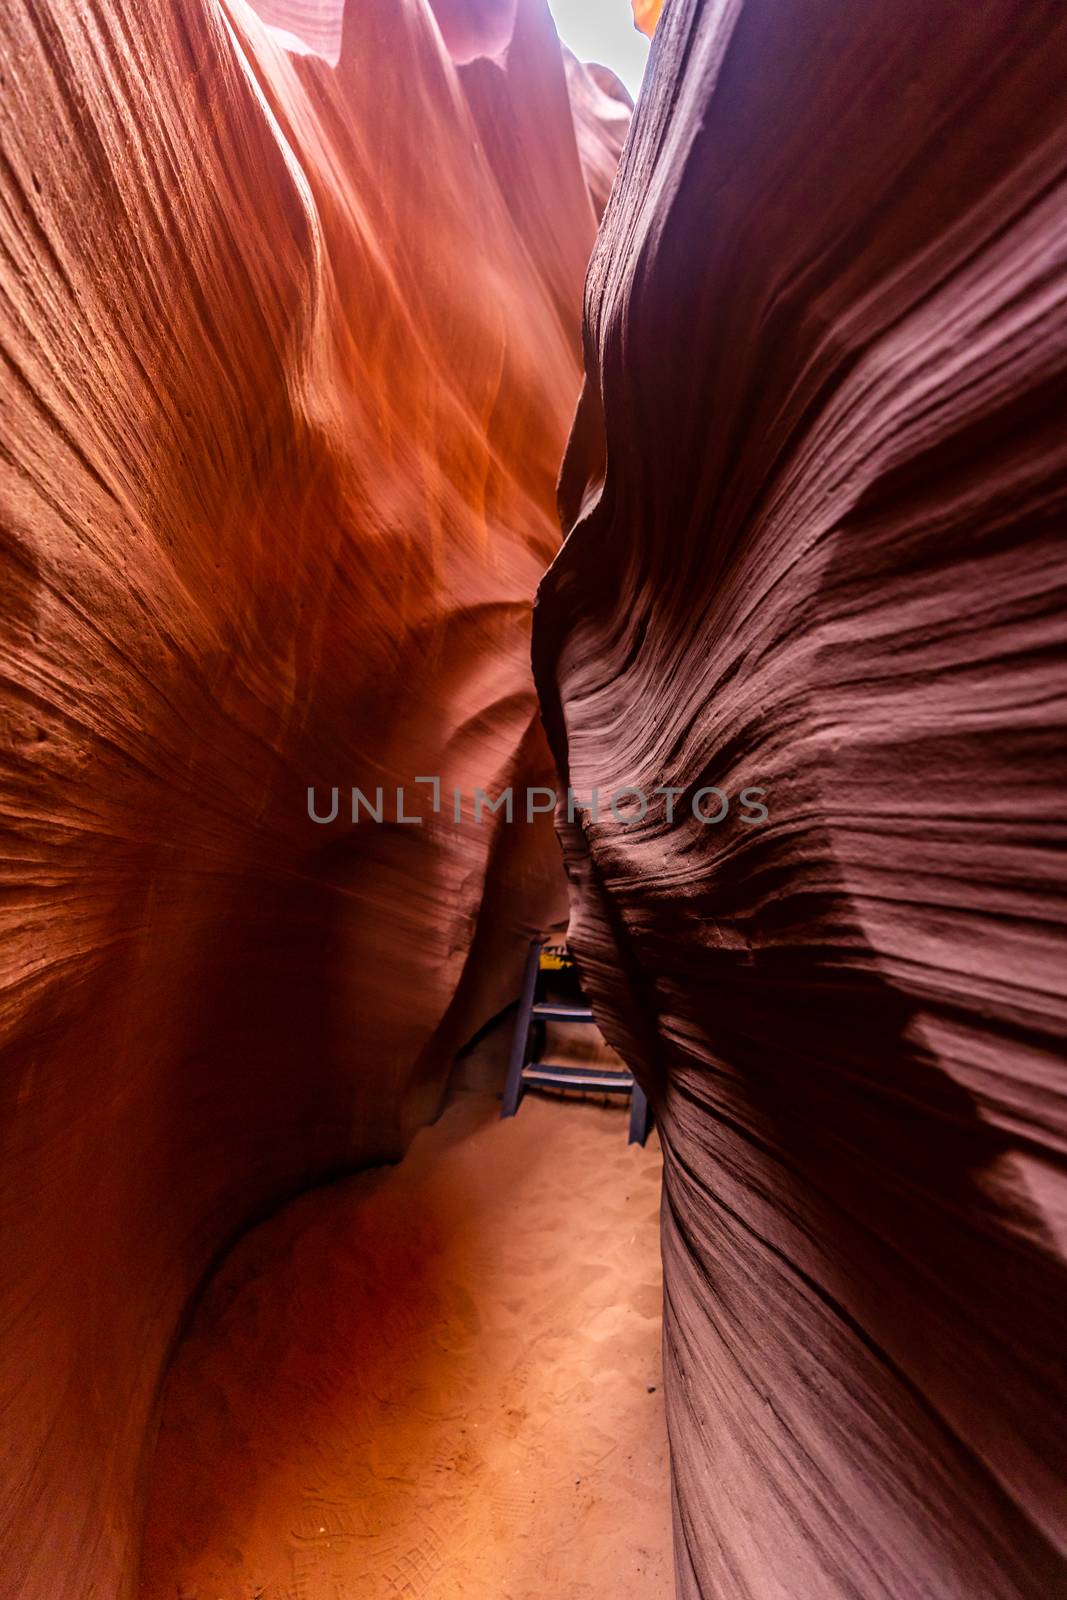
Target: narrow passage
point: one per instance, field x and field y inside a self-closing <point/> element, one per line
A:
<point x="440" y="1379"/>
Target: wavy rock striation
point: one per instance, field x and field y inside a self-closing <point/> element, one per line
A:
<point x="817" y="486"/>
<point x="290" y="355"/>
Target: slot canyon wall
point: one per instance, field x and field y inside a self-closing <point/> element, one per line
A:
<point x="290" y="353"/>
<point x="817" y="491"/>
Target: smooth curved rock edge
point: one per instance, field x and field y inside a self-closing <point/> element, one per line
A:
<point x="817" y="486"/>
<point x="290" y="356"/>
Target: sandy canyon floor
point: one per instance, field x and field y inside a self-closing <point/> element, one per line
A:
<point x="440" y="1379"/>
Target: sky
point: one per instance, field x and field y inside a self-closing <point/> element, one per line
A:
<point x="603" y="30"/>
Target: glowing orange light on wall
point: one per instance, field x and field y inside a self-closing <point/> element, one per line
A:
<point x="646" y="14"/>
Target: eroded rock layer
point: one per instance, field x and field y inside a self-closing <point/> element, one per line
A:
<point x="289" y="358"/>
<point x="817" y="486"/>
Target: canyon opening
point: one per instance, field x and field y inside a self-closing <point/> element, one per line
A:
<point x="532" y="799"/>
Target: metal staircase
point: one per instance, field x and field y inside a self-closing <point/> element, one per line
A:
<point x="527" y="1069"/>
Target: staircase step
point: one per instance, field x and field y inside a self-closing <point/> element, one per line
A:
<point x="557" y="1075"/>
<point x="547" y="1011"/>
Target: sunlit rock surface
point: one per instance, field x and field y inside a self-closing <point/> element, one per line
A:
<point x="646" y="15"/>
<point x="290" y="355"/>
<point x="817" y="486"/>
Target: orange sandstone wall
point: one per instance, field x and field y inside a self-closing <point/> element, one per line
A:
<point x="818" y="489"/>
<point x="289" y="358"/>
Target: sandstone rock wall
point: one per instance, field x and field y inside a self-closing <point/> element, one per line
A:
<point x="289" y="358"/>
<point x="817" y="487"/>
